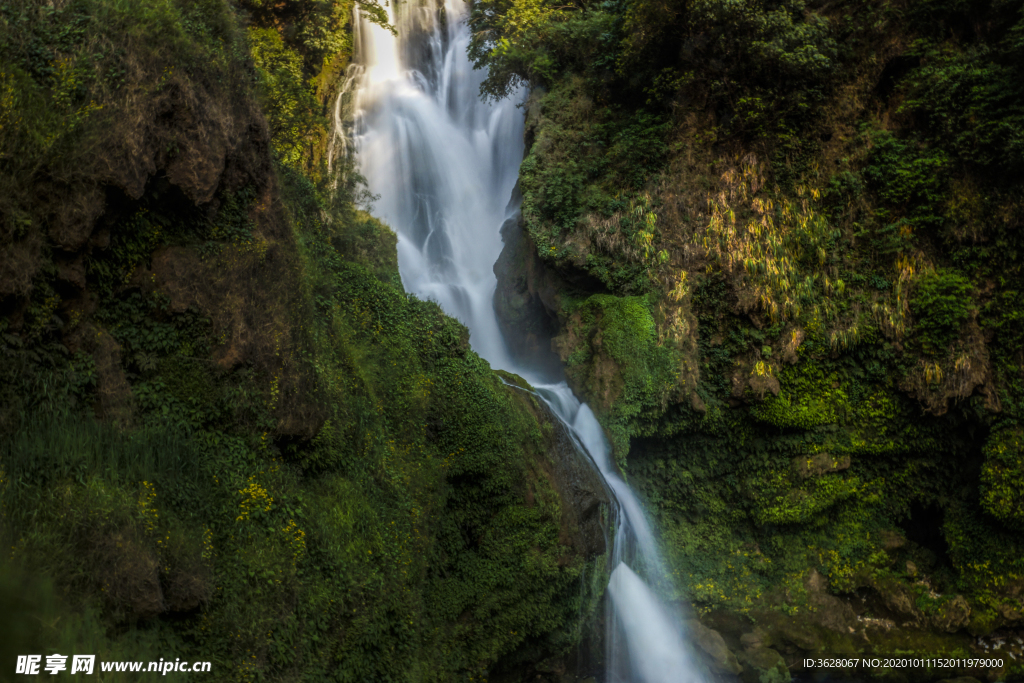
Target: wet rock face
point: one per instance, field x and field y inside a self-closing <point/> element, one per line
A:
<point x="585" y="501"/>
<point x="761" y="663"/>
<point x="712" y="646"/>
<point x="526" y="300"/>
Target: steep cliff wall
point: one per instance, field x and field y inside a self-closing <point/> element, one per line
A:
<point x="780" y="241"/>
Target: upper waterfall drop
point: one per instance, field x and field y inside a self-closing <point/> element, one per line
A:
<point x="444" y="163"/>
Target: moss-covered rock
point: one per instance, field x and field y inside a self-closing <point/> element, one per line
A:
<point x="763" y="665"/>
<point x="526" y="300"/>
<point x="710" y="643"/>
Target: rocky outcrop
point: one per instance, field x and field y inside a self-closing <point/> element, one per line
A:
<point x="584" y="499"/>
<point x="712" y="646"/>
<point x="878" y="622"/>
<point x="527" y="299"/>
<point x="184" y="130"/>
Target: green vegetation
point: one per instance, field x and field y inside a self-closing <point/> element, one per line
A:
<point x="1002" y="476"/>
<point x="786" y="242"/>
<point x="941" y="306"/>
<point x="226" y="431"/>
<point x="584" y="180"/>
<point x="632" y="374"/>
<point x="823" y="375"/>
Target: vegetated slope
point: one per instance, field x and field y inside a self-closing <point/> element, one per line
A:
<point x="226" y="432"/>
<point x="780" y="244"/>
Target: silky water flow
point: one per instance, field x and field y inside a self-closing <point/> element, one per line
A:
<point x="444" y="163"/>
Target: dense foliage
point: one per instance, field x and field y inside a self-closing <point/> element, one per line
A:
<point x="785" y="245"/>
<point x="226" y="431"/>
<point x="822" y="293"/>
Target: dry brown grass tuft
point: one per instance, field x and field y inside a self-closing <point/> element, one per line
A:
<point x="777" y="254"/>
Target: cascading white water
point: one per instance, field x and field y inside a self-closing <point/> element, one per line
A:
<point x="444" y="164"/>
<point x="645" y="641"/>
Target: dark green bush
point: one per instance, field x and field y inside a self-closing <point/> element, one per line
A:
<point x="1002" y="477"/>
<point x="942" y="305"/>
<point x="967" y="95"/>
<point x="910" y="180"/>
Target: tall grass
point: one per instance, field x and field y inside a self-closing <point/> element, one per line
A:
<point x="64" y="446"/>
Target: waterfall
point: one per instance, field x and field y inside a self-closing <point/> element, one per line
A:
<point x="444" y="164"/>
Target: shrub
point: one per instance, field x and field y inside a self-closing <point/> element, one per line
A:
<point x="941" y="305"/>
<point x="1002" y="477"/>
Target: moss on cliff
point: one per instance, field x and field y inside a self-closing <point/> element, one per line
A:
<point x="226" y="431"/>
<point x="840" y="235"/>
